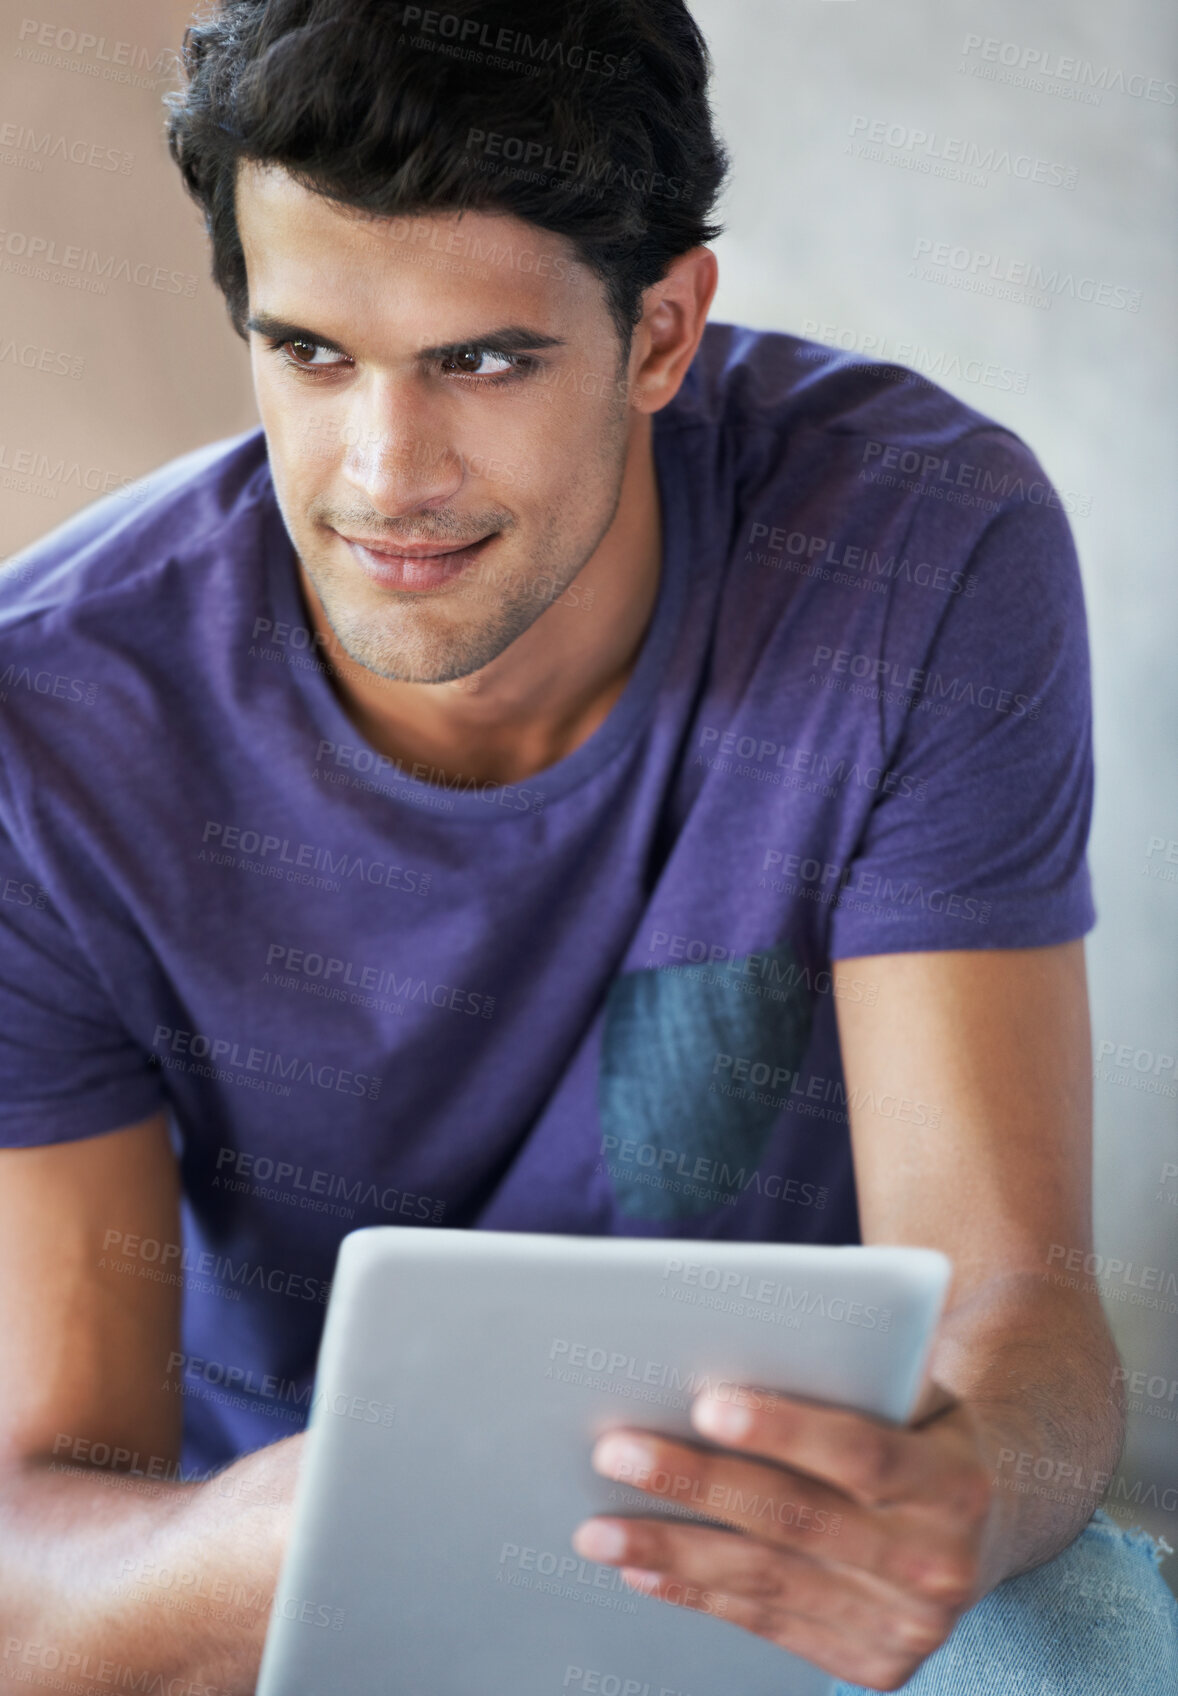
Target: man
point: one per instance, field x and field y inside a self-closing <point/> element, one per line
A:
<point x="579" y="769"/>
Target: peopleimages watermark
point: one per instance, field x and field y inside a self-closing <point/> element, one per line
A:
<point x="762" y="758"/>
<point x="69" y="1667"/>
<point x="264" y="1386"/>
<point x="323" y="435"/>
<point x="86" y="267"/>
<point x="1022" y="281"/>
<point x="317" y="1190"/>
<point x="303" y="649"/>
<point x="56" y="685"/>
<point x="82" y="51"/>
<point x="688" y="1173"/>
<point x="950" y="156"/>
<point x="1169" y="1175"/>
<point x="844" y="562"/>
<point x="307" y="863"/>
<point x="855" y="889"/>
<point x="190" y="1590"/>
<point x="741" y="1072"/>
<point x="22" y="893"/>
<point x="1144" y="1069"/>
<point x="148" y="1258"/>
<point x="752" y="971"/>
<point x="687" y="1493"/>
<point x="1148" y="1393"/>
<point x="938" y="470"/>
<point x="1027" y="1473"/>
<point x="1112" y="1277"/>
<point x="594" y="1367"/>
<point x="85" y="1451"/>
<point x="378" y="981"/>
<point x="125" y="1469"/>
<point x="572" y="1578"/>
<point x="21" y="145"/>
<point x="515" y="798"/>
<point x="592" y="173"/>
<point x="459" y="252"/>
<point x="599" y="1681"/>
<point x="239" y="1275"/>
<point x="1164" y="870"/>
<point x="920" y="360"/>
<point x="47" y="361"/>
<point x="915" y="684"/>
<point x="32" y="471"/>
<point x="472" y="38"/>
<point x="183" y="1047"/>
<point x="1046" y="71"/>
<point x="761" y="1298"/>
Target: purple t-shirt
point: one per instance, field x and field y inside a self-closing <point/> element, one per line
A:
<point x="597" y="1002"/>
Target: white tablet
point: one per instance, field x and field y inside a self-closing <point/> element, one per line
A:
<point x="462" y="1380"/>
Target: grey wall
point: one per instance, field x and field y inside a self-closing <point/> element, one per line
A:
<point x="819" y="235"/>
<point x="822" y="240"/>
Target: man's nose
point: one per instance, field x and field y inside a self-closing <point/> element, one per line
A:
<point x="397" y="454"/>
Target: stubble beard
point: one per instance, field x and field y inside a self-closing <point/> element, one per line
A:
<point x="408" y="642"/>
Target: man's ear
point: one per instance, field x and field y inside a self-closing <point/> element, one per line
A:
<point x="675" y="311"/>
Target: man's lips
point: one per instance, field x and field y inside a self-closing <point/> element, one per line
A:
<point x="409" y="550"/>
<point x="413" y="566"/>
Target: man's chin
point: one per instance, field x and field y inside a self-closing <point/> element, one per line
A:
<point x="437" y="657"/>
<point x="429" y="638"/>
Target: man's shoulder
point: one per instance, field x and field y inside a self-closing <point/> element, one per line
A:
<point x="768" y="380"/>
<point x="870" y="446"/>
<point x="119" y="545"/>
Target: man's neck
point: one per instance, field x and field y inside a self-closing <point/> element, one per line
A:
<point x="545" y="694"/>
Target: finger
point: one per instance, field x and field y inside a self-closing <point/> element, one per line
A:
<point x="784" y="1508"/>
<point x="867" y="1459"/>
<point x="714" y="1565"/>
<point x="911" y="1549"/>
<point x="882" y="1662"/>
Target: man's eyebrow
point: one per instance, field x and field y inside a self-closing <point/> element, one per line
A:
<point x="513" y="338"/>
<point x="516" y="338"/>
<point x="282" y="330"/>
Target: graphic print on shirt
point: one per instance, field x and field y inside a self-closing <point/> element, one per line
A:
<point x="678" y="1135"/>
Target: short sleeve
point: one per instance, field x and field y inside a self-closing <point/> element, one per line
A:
<point x="981" y="838"/>
<point x="68" y="1068"/>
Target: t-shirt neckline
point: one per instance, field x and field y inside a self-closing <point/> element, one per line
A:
<point x="599" y="748"/>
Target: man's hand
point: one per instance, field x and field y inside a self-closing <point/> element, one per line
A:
<point x="859" y="1543"/>
<point x="93" y="1559"/>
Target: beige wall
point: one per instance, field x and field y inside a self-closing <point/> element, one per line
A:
<point x="160" y="371"/>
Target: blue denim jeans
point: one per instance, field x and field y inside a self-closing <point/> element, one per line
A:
<point x="1098" y="1620"/>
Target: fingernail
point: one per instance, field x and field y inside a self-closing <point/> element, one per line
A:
<point x="600" y="1540"/>
<point x="720" y="1419"/>
<point x="623" y="1457"/>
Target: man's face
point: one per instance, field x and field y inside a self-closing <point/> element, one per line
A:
<point x="400" y="416"/>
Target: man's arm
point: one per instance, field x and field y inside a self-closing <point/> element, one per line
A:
<point x="100" y="1570"/>
<point x="999" y="1042"/>
<point x="969" y="1078"/>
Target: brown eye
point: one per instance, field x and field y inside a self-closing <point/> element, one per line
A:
<point x="301" y="350"/>
<point x="470" y="362"/>
<point x="467" y="361"/>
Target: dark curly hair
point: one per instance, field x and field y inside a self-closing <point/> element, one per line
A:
<point x="588" y="118"/>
